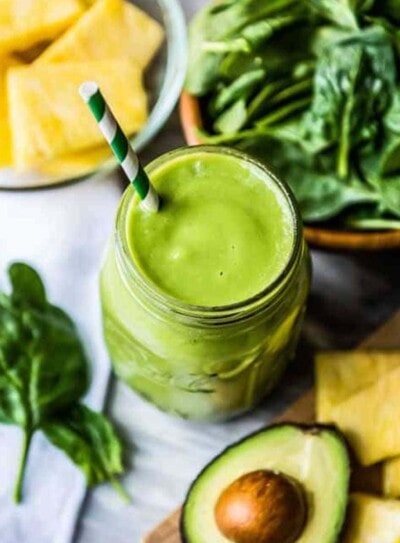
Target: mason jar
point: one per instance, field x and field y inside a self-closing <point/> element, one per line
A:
<point x="206" y="363"/>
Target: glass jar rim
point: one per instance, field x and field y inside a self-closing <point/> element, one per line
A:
<point x="164" y="301"/>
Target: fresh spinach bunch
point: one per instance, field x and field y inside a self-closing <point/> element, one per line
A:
<point x="43" y="376"/>
<point x="311" y="87"/>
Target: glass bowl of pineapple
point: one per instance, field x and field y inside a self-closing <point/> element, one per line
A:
<point x="135" y="50"/>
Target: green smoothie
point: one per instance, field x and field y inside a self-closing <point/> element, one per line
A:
<point x="223" y="234"/>
<point x="203" y="300"/>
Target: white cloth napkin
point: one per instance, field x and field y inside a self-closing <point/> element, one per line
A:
<point x="62" y="232"/>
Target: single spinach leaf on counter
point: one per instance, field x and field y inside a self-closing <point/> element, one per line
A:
<point x="27" y="286"/>
<point x="43" y="367"/>
<point x="90" y="441"/>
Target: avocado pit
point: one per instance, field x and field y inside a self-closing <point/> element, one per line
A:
<point x="262" y="507"/>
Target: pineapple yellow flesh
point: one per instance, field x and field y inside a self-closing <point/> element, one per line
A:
<point x="369" y="419"/>
<point x="145" y="34"/>
<point x="391" y="478"/>
<point x="23" y="23"/>
<point x="340" y="374"/>
<point x="372" y="520"/>
<point x="108" y="29"/>
<point x="76" y="164"/>
<point x="5" y="130"/>
<point x="49" y="118"/>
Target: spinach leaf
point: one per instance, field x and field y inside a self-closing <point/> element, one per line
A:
<point x="255" y="34"/>
<point x="390" y="191"/>
<point x="354" y="84"/>
<point x="371" y="218"/>
<point x="89" y="440"/>
<point x="338" y="11"/>
<point x="322" y="197"/>
<point x="392" y="118"/>
<point x="27" y="286"/>
<point x="325" y="112"/>
<point x="213" y="24"/>
<point x="242" y="87"/>
<point x="370" y="223"/>
<point x="389" y="162"/>
<point x="43" y="366"/>
<point x="232" y="119"/>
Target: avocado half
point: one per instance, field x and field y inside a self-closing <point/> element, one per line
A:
<point x="314" y="456"/>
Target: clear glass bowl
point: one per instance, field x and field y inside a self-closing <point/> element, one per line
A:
<point x="164" y="81"/>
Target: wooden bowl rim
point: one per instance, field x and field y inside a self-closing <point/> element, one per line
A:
<point x="191" y="122"/>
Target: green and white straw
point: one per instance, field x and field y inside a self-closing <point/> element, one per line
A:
<point x="120" y="145"/>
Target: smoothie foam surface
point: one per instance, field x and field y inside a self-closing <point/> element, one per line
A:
<point x="224" y="232"/>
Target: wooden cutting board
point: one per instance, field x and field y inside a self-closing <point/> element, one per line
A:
<point x="301" y="411"/>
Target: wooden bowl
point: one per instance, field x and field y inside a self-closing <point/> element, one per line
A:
<point x="191" y="121"/>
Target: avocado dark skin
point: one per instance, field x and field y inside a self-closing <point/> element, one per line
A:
<point x="261" y="507"/>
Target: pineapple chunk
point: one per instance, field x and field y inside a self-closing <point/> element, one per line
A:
<point x="369" y="419"/>
<point x="5" y="130"/>
<point x="48" y="117"/>
<point x="23" y="23"/>
<point x="339" y="375"/>
<point x="391" y="478"/>
<point x="145" y="34"/>
<point x="76" y="164"/>
<point x="372" y="520"/>
<point x="109" y="29"/>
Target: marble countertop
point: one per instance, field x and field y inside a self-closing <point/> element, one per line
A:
<point x="351" y="295"/>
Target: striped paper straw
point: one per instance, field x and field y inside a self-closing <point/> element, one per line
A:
<point x="120" y="145"/>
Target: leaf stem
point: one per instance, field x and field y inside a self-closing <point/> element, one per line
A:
<point x="22" y="464"/>
<point x="120" y="490"/>
<point x="238" y="45"/>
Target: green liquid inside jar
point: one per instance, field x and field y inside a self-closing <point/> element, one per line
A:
<point x="203" y="301"/>
<point x="223" y="234"/>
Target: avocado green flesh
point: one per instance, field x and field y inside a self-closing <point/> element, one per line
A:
<point x="316" y="458"/>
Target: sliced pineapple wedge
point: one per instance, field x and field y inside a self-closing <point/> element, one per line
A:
<point x="49" y="118"/>
<point x="76" y="164"/>
<point x="145" y="34"/>
<point x="369" y="419"/>
<point x="5" y="130"/>
<point x="372" y="520"/>
<point x="391" y="478"/>
<point x="109" y="29"/>
<point x="23" y="23"/>
<point x="340" y="374"/>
